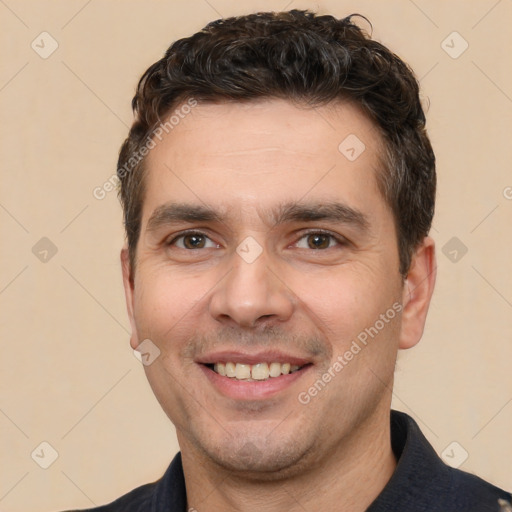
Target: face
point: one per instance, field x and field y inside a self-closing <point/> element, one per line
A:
<point x="268" y="278"/>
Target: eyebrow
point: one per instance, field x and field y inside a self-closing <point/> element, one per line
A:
<point x="328" y="211"/>
<point x="171" y="213"/>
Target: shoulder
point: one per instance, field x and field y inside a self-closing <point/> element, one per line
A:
<point x="422" y="482"/>
<point x="465" y="491"/>
<point x="168" y="493"/>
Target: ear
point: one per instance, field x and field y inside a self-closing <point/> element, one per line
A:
<point x="129" y="294"/>
<point x="417" y="292"/>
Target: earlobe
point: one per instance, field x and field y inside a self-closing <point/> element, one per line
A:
<point x="417" y="293"/>
<point x="129" y="294"/>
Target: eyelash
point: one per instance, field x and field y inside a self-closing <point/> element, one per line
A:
<point x="340" y="240"/>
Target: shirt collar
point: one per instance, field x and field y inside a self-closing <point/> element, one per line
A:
<point x="420" y="482"/>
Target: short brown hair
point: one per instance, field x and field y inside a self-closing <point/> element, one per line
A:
<point x="302" y="57"/>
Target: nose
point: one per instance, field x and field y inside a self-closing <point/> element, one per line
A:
<point x="251" y="293"/>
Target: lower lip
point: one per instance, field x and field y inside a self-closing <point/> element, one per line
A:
<point x="252" y="390"/>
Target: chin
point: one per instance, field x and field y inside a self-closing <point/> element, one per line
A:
<point x="267" y="457"/>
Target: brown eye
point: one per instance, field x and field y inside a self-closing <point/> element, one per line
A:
<point x="318" y="240"/>
<point x="191" y="241"/>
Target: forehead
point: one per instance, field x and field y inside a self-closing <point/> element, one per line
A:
<point x="242" y="156"/>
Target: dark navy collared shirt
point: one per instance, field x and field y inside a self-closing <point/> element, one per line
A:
<point x="422" y="482"/>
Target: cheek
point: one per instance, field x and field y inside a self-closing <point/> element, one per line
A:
<point x="347" y="303"/>
<point x="162" y="301"/>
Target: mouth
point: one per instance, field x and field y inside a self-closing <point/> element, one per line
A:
<point x="257" y="377"/>
<point x="254" y="372"/>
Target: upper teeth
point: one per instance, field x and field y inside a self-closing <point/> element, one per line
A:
<point x="260" y="371"/>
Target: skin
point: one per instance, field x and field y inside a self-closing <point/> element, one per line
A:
<point x="275" y="454"/>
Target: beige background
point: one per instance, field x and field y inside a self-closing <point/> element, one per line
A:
<point x="68" y="375"/>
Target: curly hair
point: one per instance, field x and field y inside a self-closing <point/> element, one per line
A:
<point x="304" y="58"/>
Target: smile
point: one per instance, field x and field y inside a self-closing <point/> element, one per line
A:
<point x="254" y="372"/>
<point x="258" y="381"/>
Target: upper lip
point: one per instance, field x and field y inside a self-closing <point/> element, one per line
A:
<point x="235" y="356"/>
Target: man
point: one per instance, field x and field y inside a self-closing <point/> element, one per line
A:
<point x="278" y="188"/>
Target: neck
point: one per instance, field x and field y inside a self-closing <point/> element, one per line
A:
<point x="347" y="479"/>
